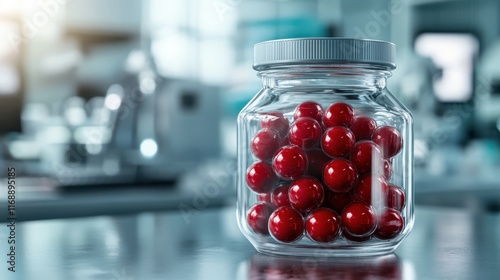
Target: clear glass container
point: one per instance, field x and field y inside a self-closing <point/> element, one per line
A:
<point x="325" y="151"/>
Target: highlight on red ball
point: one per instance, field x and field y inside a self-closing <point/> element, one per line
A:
<point x="265" y="143"/>
<point x="290" y="162"/>
<point x="309" y="109"/>
<point x="305" y="133"/>
<point x="339" y="114"/>
<point x="286" y="224"/>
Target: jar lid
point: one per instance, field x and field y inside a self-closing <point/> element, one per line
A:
<point x="324" y="51"/>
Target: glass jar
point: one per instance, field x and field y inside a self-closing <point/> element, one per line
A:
<point x="325" y="151"/>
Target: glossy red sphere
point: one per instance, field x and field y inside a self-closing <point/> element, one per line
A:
<point x="279" y="196"/>
<point x="323" y="225"/>
<point x="371" y="189"/>
<point x="359" y="219"/>
<point x="306" y="194"/>
<point x="265" y="143"/>
<point x="258" y="217"/>
<point x="340" y="175"/>
<point x="290" y="162"/>
<point x="286" y="224"/>
<point x="396" y="198"/>
<point x="338" y="201"/>
<point x="264" y="197"/>
<point x="305" y="133"/>
<point x="261" y="177"/>
<point x="309" y="109"/>
<point x="275" y="121"/>
<point x="389" y="139"/>
<point x="363" y="127"/>
<point x="338" y="141"/>
<point x="317" y="162"/>
<point x="366" y="157"/>
<point x="338" y="114"/>
<point x="390" y="224"/>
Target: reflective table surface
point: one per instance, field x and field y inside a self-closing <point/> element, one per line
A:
<point x="207" y="244"/>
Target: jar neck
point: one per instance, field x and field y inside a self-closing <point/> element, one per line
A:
<point x="337" y="77"/>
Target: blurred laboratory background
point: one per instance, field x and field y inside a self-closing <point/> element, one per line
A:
<point x="101" y="98"/>
<point x="119" y="117"/>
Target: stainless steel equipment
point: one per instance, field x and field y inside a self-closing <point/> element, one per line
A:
<point x="165" y="126"/>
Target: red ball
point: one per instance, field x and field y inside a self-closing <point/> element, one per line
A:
<point x="390" y="224"/>
<point x="396" y="198"/>
<point x="338" y="201"/>
<point x="340" y="175"/>
<point x="279" y="196"/>
<point x="264" y="197"/>
<point x="290" y="162"/>
<point x="265" y="143"/>
<point x="309" y="109"/>
<point x="359" y="219"/>
<point x="389" y="139"/>
<point x="372" y="190"/>
<point x="317" y="162"/>
<point x="339" y="114"/>
<point x="261" y="177"/>
<point x="323" y="225"/>
<point x="306" y="194"/>
<point x="366" y="157"/>
<point x="337" y="141"/>
<point x="363" y="127"/>
<point x="286" y="224"/>
<point x="275" y="121"/>
<point x="305" y="133"/>
<point x="258" y="217"/>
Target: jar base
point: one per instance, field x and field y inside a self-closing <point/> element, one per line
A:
<point x="324" y="251"/>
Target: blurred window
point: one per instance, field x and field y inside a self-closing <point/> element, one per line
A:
<point x="192" y="39"/>
<point x="9" y="58"/>
<point x="454" y="54"/>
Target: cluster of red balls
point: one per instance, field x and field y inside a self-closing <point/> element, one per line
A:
<point x="325" y="174"/>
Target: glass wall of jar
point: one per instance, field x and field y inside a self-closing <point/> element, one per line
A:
<point x="325" y="152"/>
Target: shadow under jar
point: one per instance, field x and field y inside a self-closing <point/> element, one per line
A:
<point x="325" y="151"/>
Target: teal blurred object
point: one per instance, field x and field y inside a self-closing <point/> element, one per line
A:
<point x="491" y="152"/>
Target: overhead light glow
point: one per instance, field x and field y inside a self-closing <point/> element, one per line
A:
<point x="149" y="148"/>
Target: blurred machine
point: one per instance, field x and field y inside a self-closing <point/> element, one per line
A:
<point x="487" y="122"/>
<point x="150" y="129"/>
<point x="164" y="126"/>
<point x="452" y="82"/>
<point x="146" y="129"/>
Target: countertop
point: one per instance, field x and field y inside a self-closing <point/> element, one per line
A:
<point x="205" y="243"/>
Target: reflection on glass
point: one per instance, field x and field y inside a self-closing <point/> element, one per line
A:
<point x="274" y="267"/>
